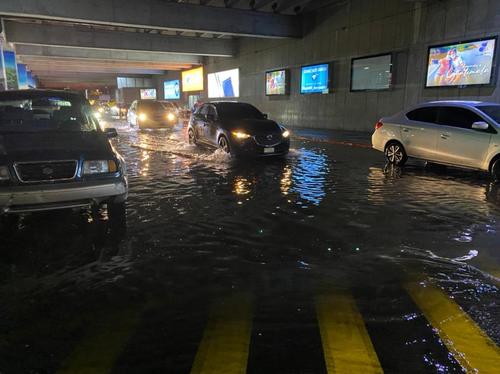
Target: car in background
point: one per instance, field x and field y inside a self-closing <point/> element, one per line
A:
<point x="152" y="114"/>
<point x="239" y="129"/>
<point x="456" y="133"/>
<point x="54" y="155"/>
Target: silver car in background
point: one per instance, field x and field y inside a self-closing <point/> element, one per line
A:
<point x="456" y="133"/>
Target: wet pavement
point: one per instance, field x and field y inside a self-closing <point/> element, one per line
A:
<point x="326" y="260"/>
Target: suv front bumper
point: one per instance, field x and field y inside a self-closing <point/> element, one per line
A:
<point x="41" y="197"/>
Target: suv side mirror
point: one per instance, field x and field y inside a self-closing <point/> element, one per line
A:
<point x="265" y="115"/>
<point x="480" y="125"/>
<point x="210" y="117"/>
<point x="111" y="132"/>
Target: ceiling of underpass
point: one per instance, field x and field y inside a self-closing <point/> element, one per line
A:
<point x="74" y="44"/>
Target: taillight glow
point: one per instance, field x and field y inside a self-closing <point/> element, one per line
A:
<point x="378" y="125"/>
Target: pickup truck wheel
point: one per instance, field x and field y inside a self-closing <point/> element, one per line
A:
<point x="8" y="222"/>
<point x="395" y="153"/>
<point x="117" y="213"/>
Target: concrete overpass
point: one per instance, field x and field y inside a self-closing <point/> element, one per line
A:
<point x="93" y="38"/>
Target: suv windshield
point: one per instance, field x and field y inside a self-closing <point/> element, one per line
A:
<point x="491" y="110"/>
<point x="153" y="106"/>
<point x="33" y="113"/>
<point x="238" y="111"/>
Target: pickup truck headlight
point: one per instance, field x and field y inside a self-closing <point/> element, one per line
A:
<point x="4" y="173"/>
<point x="99" y="167"/>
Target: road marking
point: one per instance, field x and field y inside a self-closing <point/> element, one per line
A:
<point x="226" y="340"/>
<point x="105" y="340"/>
<point x="346" y="344"/>
<point x="468" y="344"/>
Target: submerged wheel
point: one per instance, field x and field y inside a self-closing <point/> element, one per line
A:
<point x="191" y="137"/>
<point x="224" y="144"/>
<point x="395" y="154"/>
<point x="495" y="170"/>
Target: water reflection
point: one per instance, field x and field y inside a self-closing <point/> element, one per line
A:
<point x="309" y="175"/>
<point x="286" y="180"/>
<point x="242" y="186"/>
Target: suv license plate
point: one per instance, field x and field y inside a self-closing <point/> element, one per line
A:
<point x="268" y="150"/>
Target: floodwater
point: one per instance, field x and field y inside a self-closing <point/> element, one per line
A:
<point x="324" y="260"/>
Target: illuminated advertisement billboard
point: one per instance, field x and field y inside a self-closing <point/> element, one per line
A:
<point x="172" y="89"/>
<point x="148" y="93"/>
<point x="10" y="65"/>
<point x="461" y="64"/>
<point x="224" y="84"/>
<point x="371" y="73"/>
<point x="277" y="82"/>
<point x="22" y="76"/>
<point x="2" y="73"/>
<point x="31" y="80"/>
<point x="192" y="80"/>
<point x="314" y="79"/>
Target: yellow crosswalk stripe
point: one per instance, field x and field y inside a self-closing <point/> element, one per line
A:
<point x="104" y="341"/>
<point x="226" y="339"/>
<point x="346" y="344"/>
<point x="468" y="344"/>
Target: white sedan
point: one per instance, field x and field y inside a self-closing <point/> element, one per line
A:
<point x="457" y="133"/>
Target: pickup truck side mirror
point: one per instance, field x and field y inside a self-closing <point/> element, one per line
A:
<point x="480" y="125"/>
<point x="111" y="132"/>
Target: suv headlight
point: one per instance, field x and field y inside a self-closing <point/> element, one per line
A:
<point x="4" y="173"/>
<point x="99" y="167"/>
<point x="240" y="135"/>
<point x="285" y="134"/>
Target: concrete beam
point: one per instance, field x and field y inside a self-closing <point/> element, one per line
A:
<point x="78" y="64"/>
<point x="262" y="3"/>
<point x="106" y="55"/>
<point x="60" y="69"/>
<point x="285" y="5"/>
<point x="158" y="14"/>
<point x="78" y="37"/>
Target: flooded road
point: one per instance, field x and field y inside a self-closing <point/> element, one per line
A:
<point x="325" y="260"/>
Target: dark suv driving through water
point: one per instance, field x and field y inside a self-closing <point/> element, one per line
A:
<point x="239" y="129"/>
<point x="54" y="155"/>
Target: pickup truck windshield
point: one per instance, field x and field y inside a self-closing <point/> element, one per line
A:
<point x="34" y="114"/>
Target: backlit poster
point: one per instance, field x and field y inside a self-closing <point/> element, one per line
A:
<point x="276" y="82"/>
<point x="224" y="84"/>
<point x="371" y="73"/>
<point x="192" y="80"/>
<point x="314" y="79"/>
<point x="172" y="90"/>
<point x="9" y="60"/>
<point x="461" y="64"/>
<point x="148" y="93"/>
<point x="22" y="76"/>
<point x="2" y="71"/>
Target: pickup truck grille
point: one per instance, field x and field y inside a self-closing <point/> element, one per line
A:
<point x="46" y="171"/>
